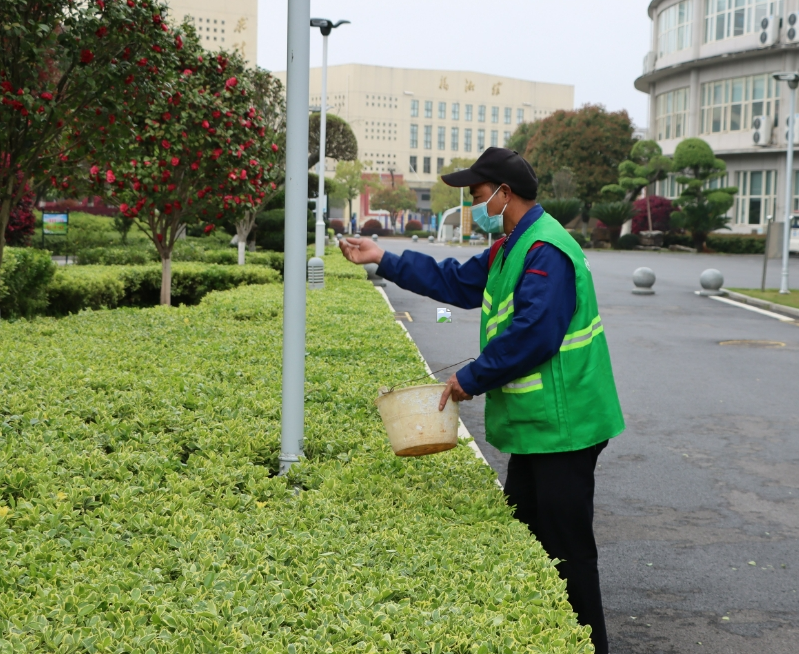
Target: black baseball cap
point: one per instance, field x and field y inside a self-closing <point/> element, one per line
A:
<point x="500" y="166"/>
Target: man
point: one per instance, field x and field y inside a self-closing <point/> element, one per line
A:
<point x="544" y="365"/>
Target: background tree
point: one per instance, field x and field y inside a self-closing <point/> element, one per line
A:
<point x="521" y="136"/>
<point x="64" y="69"/>
<point x="351" y="181"/>
<point x="700" y="209"/>
<point x="340" y="141"/>
<point x="393" y="198"/>
<point x="443" y="197"/>
<point x="646" y="165"/>
<point x="565" y="206"/>
<point x="591" y="142"/>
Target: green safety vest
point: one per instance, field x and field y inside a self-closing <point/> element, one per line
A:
<point x="568" y="402"/>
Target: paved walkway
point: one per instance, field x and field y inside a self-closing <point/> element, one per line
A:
<point x="698" y="501"/>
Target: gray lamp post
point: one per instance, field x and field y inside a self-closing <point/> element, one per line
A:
<point x="325" y="26"/>
<point x="793" y="82"/>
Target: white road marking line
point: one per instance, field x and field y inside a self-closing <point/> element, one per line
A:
<point x="748" y="307"/>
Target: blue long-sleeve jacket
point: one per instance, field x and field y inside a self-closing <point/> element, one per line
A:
<point x="544" y="301"/>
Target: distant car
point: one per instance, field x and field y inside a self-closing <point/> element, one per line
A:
<point x="794" y="244"/>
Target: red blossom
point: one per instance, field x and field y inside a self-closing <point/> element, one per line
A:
<point x="94" y="170"/>
<point x="274" y="147"/>
<point x="156" y="48"/>
<point x="102" y="32"/>
<point x="165" y="144"/>
<point x="206" y="124"/>
<point x="110" y="177"/>
<point x="231" y="84"/>
<point x="124" y="207"/>
<point x="129" y="79"/>
<point x="195" y="166"/>
<point x="112" y="119"/>
<point x="209" y="228"/>
<point x="187" y="72"/>
<point x="175" y="161"/>
<point x="160" y="237"/>
<point x="178" y="42"/>
<point x="46" y="96"/>
<point x="86" y="56"/>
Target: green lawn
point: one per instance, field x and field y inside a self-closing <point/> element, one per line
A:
<point x="771" y="295"/>
<point x="140" y="510"/>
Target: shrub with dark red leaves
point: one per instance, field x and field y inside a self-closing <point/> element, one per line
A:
<point x="661" y="214"/>
<point x="413" y="226"/>
<point x="373" y="226"/>
<point x="337" y="226"/>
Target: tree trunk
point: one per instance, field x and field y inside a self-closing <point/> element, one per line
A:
<point x="648" y="210"/>
<point x="5" y="212"/>
<point x="242" y="248"/>
<point x="243" y="228"/>
<point x="699" y="241"/>
<point x="348" y="227"/>
<point x="166" y="280"/>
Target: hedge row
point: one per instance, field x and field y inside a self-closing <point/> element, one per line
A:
<point x="140" y="511"/>
<point x="24" y="277"/>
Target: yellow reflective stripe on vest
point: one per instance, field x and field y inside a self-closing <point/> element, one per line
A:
<point x="582" y="337"/>
<point x="525" y="384"/>
<point x="504" y="312"/>
<point x="486" y="302"/>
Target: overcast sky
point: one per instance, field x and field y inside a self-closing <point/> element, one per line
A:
<point x="596" y="45"/>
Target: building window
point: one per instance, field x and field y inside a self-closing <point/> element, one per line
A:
<point x="442" y="138"/>
<point x="468" y="115"/>
<point x="442" y="110"/>
<point x="481" y="113"/>
<point x="439" y="164"/>
<point x="725" y="19"/>
<point x="757" y="196"/>
<point x="467" y="140"/>
<point x="413" y="164"/>
<point x="494" y="138"/>
<point x="456" y="111"/>
<point x="672" y="114"/>
<point x="481" y="140"/>
<point x="414" y="108"/>
<point x="428" y="108"/>
<point x="426" y="165"/>
<point x="730" y="105"/>
<point x="428" y="137"/>
<point x="519" y="116"/>
<point x="455" y="137"/>
<point x="494" y="114"/>
<point x="674" y="27"/>
<point x="669" y="188"/>
<point x="507" y="115"/>
<point x="506" y="138"/>
<point x="414" y="136"/>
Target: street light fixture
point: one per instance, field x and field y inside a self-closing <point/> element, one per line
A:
<point x="793" y="81"/>
<point x="325" y="27"/>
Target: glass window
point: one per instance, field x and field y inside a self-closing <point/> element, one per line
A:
<point x="414" y="108"/>
<point x="519" y="116"/>
<point x="507" y="115"/>
<point x="439" y="164"/>
<point x="481" y="113"/>
<point x="467" y="140"/>
<point x="428" y="137"/>
<point x="428" y="108"/>
<point x="442" y="110"/>
<point x="426" y="165"/>
<point x="481" y="140"/>
<point x="672" y="114"/>
<point x="456" y="111"/>
<point x="730" y="105"/>
<point x="494" y="114"/>
<point x="468" y="115"/>
<point x="454" y="138"/>
<point x="494" y="138"/>
<point x="442" y="138"/>
<point x="674" y="28"/>
<point x="413" y="164"/>
<point x="757" y="196"/>
<point x="725" y="19"/>
<point x="414" y="136"/>
<point x="505" y="138"/>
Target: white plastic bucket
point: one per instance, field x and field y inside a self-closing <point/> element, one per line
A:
<point x="413" y="422"/>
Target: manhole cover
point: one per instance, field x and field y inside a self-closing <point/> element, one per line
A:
<point x="747" y="343"/>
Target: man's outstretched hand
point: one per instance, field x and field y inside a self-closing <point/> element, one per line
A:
<point x="454" y="391"/>
<point x="361" y="250"/>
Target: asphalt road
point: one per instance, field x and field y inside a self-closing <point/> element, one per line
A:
<point x="697" y="503"/>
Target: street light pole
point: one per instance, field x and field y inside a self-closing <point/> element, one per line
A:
<point x="325" y="27"/>
<point x="793" y="82"/>
<point x="297" y="77"/>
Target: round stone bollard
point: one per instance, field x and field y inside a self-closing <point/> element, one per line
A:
<point x="431" y="239"/>
<point x="644" y="280"/>
<point x="712" y="281"/>
<point x="371" y="274"/>
<point x="374" y="237"/>
<point x="415" y="238"/>
<point x="357" y="236"/>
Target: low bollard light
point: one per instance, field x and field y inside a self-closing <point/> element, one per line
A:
<point x="644" y="280"/>
<point x="316" y="274"/>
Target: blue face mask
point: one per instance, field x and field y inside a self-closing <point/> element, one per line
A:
<point x="489" y="224"/>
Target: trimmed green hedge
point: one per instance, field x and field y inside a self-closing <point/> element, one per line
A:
<point x="95" y="287"/>
<point x="737" y="243"/>
<point x="24" y="277"/>
<point x="140" y="511"/>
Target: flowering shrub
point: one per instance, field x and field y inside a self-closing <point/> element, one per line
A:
<point x="22" y="222"/>
<point x="661" y="214"/>
<point x="413" y="226"/>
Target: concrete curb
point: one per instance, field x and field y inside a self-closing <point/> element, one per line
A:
<point x="762" y="304"/>
<point x="462" y="431"/>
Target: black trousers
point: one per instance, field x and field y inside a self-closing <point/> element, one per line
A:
<point x="554" y="496"/>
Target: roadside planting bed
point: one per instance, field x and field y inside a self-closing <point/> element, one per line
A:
<point x="140" y="510"/>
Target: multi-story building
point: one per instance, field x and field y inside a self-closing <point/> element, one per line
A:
<point x="230" y="25"/>
<point x="709" y="74"/>
<point x="414" y="122"/>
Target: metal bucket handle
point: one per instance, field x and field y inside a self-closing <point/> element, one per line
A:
<point x="391" y="390"/>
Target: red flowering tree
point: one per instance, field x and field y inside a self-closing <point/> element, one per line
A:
<point x="661" y="209"/>
<point x="22" y="222"/>
<point x="196" y="151"/>
<point x="66" y="69"/>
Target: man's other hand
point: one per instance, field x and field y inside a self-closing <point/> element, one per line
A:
<point x="454" y="391"/>
<point x="361" y="250"/>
